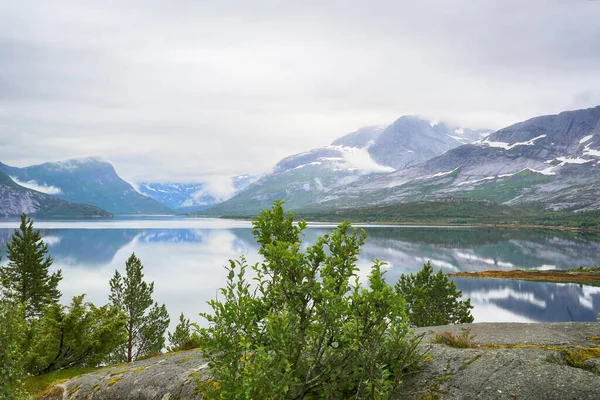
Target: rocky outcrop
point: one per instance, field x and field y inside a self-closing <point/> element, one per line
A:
<point x="510" y="360"/>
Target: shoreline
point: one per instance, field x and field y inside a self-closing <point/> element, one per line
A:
<point x="434" y="224"/>
<point x="581" y="276"/>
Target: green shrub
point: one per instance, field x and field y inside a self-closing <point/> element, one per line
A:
<point x="306" y="328"/>
<point x="12" y="325"/>
<point x="433" y="299"/>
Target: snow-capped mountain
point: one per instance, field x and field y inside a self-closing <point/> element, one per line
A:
<point x="366" y="154"/>
<point x="551" y="160"/>
<point x="190" y="197"/>
<point x="89" y="180"/>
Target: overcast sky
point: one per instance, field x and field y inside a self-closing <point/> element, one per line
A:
<point x="184" y="91"/>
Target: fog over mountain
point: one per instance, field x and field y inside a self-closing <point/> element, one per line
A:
<point x="190" y="92"/>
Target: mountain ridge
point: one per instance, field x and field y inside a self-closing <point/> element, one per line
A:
<point x="552" y="160"/>
<point x="90" y="180"/>
<point x="16" y="199"/>
<point x="362" y="155"/>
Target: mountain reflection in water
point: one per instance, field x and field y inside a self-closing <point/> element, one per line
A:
<point x="186" y="263"/>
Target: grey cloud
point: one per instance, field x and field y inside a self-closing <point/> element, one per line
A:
<point x="188" y="90"/>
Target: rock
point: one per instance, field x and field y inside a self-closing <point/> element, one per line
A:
<point x="593" y="365"/>
<point x="509" y="360"/>
<point x="169" y="377"/>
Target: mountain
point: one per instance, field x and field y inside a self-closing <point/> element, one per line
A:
<point x="360" y="156"/>
<point x="16" y="199"/>
<point x="190" y="197"/>
<point x="86" y="181"/>
<point x="411" y="140"/>
<point x="551" y="161"/>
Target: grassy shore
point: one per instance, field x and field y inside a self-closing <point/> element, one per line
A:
<point x="582" y="275"/>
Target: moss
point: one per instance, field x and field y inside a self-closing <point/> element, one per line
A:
<point x="112" y="381"/>
<point x="52" y="392"/>
<point x="37" y="383"/>
<point x="139" y="369"/>
<point x="574" y="356"/>
<point x="95" y="388"/>
<point x="119" y="372"/>
<point x="183" y="360"/>
<point x="74" y="388"/>
<point x="445" y="378"/>
<point x="471" y="361"/>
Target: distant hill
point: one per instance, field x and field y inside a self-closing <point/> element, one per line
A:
<point x="86" y="181"/>
<point x="367" y="154"/>
<point x="16" y="199"/>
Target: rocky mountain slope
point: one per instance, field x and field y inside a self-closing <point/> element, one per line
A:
<point x="86" y="181"/>
<point x="190" y="197"/>
<point x="552" y="161"/>
<point x="16" y="199"/>
<point x="360" y="156"/>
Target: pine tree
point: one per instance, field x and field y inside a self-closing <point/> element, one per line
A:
<point x="146" y="320"/>
<point x="26" y="278"/>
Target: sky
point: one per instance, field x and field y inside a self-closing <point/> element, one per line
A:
<point x="191" y="91"/>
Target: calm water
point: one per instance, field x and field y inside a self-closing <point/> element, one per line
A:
<point x="184" y="257"/>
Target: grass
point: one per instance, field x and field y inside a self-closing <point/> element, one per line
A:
<point x="462" y="341"/>
<point x="37" y="384"/>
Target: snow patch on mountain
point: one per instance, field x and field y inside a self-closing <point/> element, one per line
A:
<point x="576" y="160"/>
<point x="48" y="189"/>
<point x="590" y="152"/>
<point x="438" y="175"/>
<point x="361" y="160"/>
<point x="507" y="146"/>
<point x="586" y="138"/>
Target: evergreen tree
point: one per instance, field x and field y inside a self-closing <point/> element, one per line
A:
<point x="26" y="279"/>
<point x="81" y="335"/>
<point x="12" y="328"/>
<point x="146" y="320"/>
<point x="185" y="336"/>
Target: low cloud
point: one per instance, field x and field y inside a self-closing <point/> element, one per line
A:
<point x="48" y="189"/>
<point x="201" y="89"/>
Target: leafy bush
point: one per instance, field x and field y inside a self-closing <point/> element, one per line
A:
<point x="306" y="329"/>
<point x="185" y="336"/>
<point x="433" y="299"/>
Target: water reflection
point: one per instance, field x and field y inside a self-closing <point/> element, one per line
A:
<point x="507" y="300"/>
<point x="186" y="263"/>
